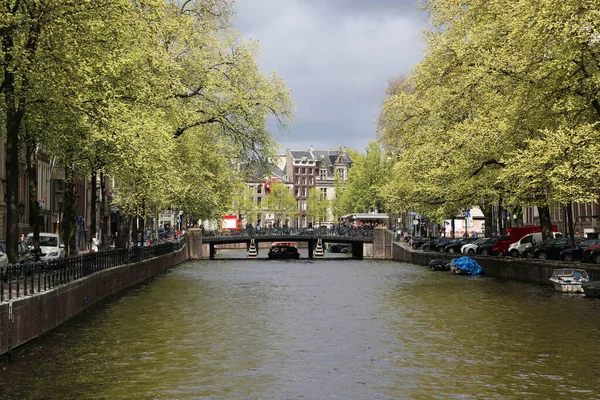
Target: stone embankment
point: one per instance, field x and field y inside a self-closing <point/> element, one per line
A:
<point x="520" y="269"/>
<point x="25" y="319"/>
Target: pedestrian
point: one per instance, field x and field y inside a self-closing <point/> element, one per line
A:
<point x="94" y="243"/>
<point x="22" y="238"/>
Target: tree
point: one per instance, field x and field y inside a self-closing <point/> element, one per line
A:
<point x="281" y="203"/>
<point x="365" y="181"/>
<point x="498" y="79"/>
<point x="317" y="206"/>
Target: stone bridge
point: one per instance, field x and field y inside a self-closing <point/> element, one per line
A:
<point x="356" y="238"/>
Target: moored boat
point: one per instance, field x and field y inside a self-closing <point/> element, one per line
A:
<point x="569" y="280"/>
<point x="591" y="289"/>
<point x="283" y="251"/>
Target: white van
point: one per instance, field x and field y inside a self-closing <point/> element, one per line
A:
<point x="531" y="240"/>
<point x="50" y="244"/>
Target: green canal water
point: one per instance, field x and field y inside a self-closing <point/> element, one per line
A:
<point x="327" y="329"/>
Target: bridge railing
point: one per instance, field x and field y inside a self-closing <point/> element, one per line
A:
<point x="337" y="233"/>
<point x="20" y="280"/>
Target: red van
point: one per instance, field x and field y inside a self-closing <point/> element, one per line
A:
<point x="511" y="235"/>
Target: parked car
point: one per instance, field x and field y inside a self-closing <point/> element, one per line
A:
<point x="51" y="246"/>
<point x="591" y="254"/>
<point x="486" y="248"/>
<point x="417" y="241"/>
<point x="511" y="235"/>
<point x="551" y="248"/>
<point x="430" y="244"/>
<point x="455" y="247"/>
<point x="25" y="255"/>
<point x="530" y="240"/>
<point x="576" y="253"/>
<point x="471" y="248"/>
<point x="443" y="242"/>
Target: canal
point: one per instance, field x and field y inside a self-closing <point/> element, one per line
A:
<point x="318" y="329"/>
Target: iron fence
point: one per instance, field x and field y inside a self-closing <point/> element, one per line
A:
<point x="20" y="280"/>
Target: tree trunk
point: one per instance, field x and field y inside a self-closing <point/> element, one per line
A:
<point x="123" y="232"/>
<point x="104" y="228"/>
<point x="486" y="209"/>
<point x="94" y="207"/>
<point x="500" y="217"/>
<point x="545" y="222"/>
<point x="68" y="219"/>
<point x="135" y="220"/>
<point x="14" y="116"/>
<point x="34" y="206"/>
<point x="570" y="223"/>
<point x="452" y="233"/>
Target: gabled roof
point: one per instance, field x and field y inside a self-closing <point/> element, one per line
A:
<point x="259" y="172"/>
<point x="328" y="156"/>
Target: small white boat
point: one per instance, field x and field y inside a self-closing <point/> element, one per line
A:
<point x="569" y="280"/>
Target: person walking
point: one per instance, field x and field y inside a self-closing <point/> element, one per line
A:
<point x="94" y="243"/>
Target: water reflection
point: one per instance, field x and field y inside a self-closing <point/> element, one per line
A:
<point x="319" y="329"/>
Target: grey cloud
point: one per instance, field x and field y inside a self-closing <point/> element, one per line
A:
<point x="336" y="56"/>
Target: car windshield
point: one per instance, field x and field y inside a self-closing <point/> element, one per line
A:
<point x="49" y="241"/>
<point x="480" y="241"/>
<point x="588" y="243"/>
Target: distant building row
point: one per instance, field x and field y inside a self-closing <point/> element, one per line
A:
<point x="300" y="171"/>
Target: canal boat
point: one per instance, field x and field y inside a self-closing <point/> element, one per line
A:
<point x="569" y="280"/>
<point x="283" y="251"/>
<point x="465" y="265"/>
<point x="440" y="265"/>
<point x="591" y="289"/>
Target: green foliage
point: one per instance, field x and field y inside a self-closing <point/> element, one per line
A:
<point x="366" y="178"/>
<point x="503" y="106"/>
<point x="317" y="205"/>
<point x="281" y="203"/>
<point x="162" y="96"/>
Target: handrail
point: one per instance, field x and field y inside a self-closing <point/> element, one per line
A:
<point x="355" y="234"/>
<point x="20" y="280"/>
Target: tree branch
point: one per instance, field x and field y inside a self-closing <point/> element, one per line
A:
<point x="485" y="164"/>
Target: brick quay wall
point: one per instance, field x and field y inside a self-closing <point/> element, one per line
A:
<point x="28" y="318"/>
<point x="519" y="269"/>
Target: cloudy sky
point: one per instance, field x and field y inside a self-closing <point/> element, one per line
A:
<point x="336" y="57"/>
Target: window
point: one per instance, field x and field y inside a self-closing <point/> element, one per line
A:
<point x="303" y="205"/>
<point x="310" y="180"/>
<point x="324" y="191"/>
<point x="297" y="180"/>
<point x="304" y="180"/>
<point x="297" y="192"/>
<point x="259" y="189"/>
<point x="323" y="174"/>
<point x="258" y="201"/>
<point x="303" y="170"/>
<point x="297" y="170"/>
<point x="303" y="192"/>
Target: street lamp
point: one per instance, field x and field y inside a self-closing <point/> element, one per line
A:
<point x="21" y="209"/>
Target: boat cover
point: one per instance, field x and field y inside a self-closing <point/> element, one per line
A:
<point x="466" y="263"/>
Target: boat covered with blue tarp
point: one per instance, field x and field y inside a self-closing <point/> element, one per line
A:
<point x="466" y="264"/>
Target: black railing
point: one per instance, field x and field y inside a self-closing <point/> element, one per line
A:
<point x="356" y="234"/>
<point x="22" y="280"/>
